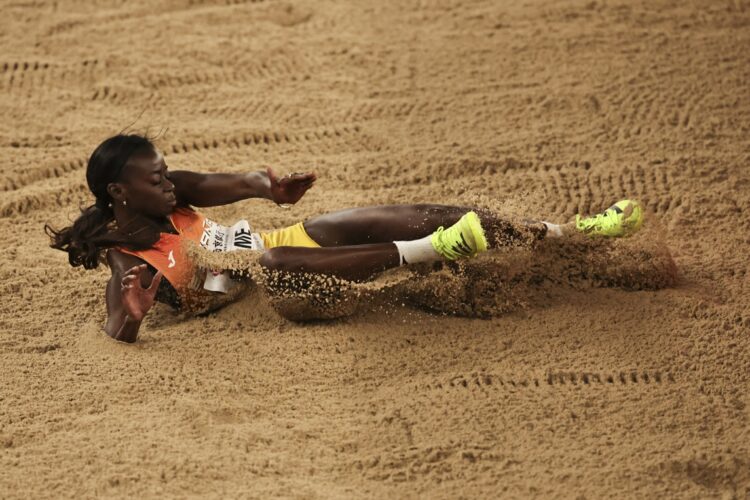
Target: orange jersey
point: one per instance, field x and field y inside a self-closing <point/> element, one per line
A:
<point x="169" y="254"/>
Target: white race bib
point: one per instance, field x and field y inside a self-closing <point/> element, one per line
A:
<point x="218" y="238"/>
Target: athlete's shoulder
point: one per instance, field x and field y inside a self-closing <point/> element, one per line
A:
<point x="186" y="217"/>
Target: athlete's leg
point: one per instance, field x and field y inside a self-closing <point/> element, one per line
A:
<point x="465" y="238"/>
<point x="355" y="263"/>
<point x="381" y="224"/>
<point x="360" y="242"/>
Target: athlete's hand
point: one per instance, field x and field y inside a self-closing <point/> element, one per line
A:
<point x="137" y="300"/>
<point x="290" y="188"/>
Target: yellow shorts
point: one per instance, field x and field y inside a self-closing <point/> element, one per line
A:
<point x="292" y="236"/>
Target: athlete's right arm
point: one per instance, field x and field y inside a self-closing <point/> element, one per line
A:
<point x="130" y="295"/>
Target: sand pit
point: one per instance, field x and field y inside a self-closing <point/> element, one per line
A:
<point x="578" y="371"/>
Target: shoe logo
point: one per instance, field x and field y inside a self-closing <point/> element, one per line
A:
<point x="462" y="248"/>
<point x="172" y="262"/>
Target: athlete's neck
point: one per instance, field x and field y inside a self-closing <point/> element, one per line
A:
<point x="132" y="222"/>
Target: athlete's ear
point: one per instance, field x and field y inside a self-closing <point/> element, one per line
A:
<point x="116" y="191"/>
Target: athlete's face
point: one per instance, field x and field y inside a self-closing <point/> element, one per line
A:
<point x="146" y="185"/>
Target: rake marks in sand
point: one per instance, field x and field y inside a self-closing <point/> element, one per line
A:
<point x="321" y="140"/>
<point x="639" y="110"/>
<point x="51" y="170"/>
<point x="24" y="196"/>
<point x="487" y="382"/>
<point x="32" y="198"/>
<point x="234" y="74"/>
<point x="38" y="75"/>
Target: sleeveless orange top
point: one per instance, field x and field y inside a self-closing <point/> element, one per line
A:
<point x="169" y="256"/>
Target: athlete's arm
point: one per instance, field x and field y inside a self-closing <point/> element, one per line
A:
<point x="209" y="190"/>
<point x="130" y="295"/>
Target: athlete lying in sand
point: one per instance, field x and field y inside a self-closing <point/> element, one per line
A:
<point x="142" y="218"/>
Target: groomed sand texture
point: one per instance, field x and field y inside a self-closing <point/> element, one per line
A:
<point x="585" y="388"/>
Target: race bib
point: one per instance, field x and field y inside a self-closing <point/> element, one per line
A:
<point x="218" y="238"/>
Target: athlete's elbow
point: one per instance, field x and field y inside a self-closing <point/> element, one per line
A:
<point x="127" y="340"/>
<point x="121" y="334"/>
<point x="113" y="335"/>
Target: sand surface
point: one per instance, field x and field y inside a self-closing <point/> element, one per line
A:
<point x="591" y="383"/>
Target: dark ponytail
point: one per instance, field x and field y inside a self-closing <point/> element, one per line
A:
<point x="94" y="230"/>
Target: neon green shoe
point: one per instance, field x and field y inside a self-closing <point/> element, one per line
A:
<point x="621" y="219"/>
<point x="463" y="239"/>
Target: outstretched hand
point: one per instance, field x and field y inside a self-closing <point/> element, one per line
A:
<point x="290" y="188"/>
<point x="137" y="300"/>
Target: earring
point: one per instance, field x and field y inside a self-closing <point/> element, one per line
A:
<point x="124" y="202"/>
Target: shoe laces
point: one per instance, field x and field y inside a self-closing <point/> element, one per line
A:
<point x="602" y="219"/>
<point x="453" y="249"/>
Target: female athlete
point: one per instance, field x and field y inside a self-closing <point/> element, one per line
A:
<point x="142" y="219"/>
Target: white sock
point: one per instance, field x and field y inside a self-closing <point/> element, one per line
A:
<point x="411" y="252"/>
<point x="553" y="230"/>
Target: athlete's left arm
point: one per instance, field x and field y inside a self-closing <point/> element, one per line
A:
<point x="209" y="190"/>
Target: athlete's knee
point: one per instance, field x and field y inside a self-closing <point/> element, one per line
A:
<point x="276" y="259"/>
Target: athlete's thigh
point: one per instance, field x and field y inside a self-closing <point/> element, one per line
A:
<point x="380" y="224"/>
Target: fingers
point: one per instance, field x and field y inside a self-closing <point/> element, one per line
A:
<point x="290" y="188"/>
<point x="297" y="177"/>
<point x="130" y="282"/>
<point x="155" y="282"/>
<point x="132" y="276"/>
<point x="300" y="177"/>
<point x="309" y="177"/>
<point x="298" y="188"/>
<point x="136" y="270"/>
<point x="296" y="182"/>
